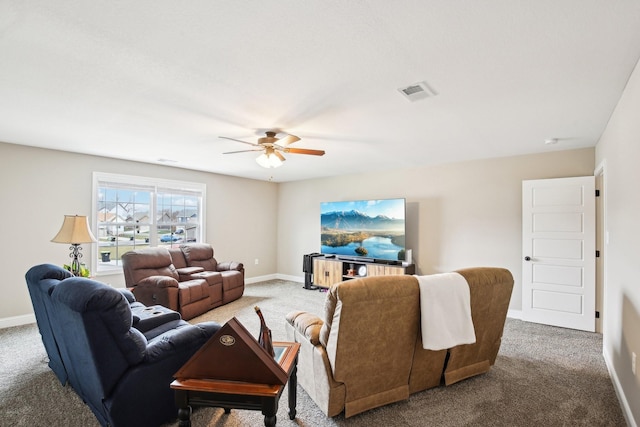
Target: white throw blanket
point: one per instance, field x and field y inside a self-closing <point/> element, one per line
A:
<point x="445" y="306"/>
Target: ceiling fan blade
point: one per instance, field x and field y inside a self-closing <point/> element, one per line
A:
<point x="237" y="140"/>
<point x="304" y="151"/>
<point x="278" y="155"/>
<point x="289" y="139"/>
<point x="242" y="151"/>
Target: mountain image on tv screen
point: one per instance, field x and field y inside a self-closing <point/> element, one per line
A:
<point x="364" y="228"/>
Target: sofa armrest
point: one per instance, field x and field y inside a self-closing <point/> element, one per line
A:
<point x="128" y="295"/>
<point x="184" y="336"/>
<point x="307" y="324"/>
<point x="230" y="265"/>
<point x="147" y="318"/>
<point x="158" y="282"/>
<point x="185" y="273"/>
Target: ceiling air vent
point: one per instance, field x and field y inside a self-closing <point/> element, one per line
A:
<point x="417" y="91"/>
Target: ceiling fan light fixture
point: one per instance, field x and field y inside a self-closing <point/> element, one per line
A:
<point x="268" y="160"/>
<point x="273" y="148"/>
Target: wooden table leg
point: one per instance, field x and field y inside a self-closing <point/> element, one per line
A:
<point x="269" y="410"/>
<point x="293" y="386"/>
<point x="184" y="415"/>
<point x="270" y="421"/>
<point x="184" y="410"/>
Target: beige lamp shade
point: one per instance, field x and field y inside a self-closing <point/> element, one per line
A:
<point x="75" y="230"/>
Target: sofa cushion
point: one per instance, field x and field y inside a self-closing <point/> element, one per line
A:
<point x="177" y="258"/>
<point x="212" y="277"/>
<point x="193" y="290"/>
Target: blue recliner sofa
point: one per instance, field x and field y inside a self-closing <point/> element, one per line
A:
<point x="121" y="374"/>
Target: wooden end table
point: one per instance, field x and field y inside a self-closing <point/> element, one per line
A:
<point x="240" y="395"/>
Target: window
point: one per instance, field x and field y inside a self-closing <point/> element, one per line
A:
<point x="133" y="212"/>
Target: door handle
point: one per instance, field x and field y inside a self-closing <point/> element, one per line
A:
<point x="527" y="258"/>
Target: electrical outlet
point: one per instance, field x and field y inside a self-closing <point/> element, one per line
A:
<point x="633" y="362"/>
<point x="257" y="261"/>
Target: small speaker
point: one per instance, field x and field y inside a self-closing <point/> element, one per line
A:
<point x="408" y="256"/>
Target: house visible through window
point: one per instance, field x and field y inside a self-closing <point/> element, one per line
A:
<point x="135" y="212"/>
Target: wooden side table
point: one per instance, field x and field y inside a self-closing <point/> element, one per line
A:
<point x="240" y="395"/>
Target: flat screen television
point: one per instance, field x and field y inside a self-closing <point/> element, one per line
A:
<point x="363" y="229"/>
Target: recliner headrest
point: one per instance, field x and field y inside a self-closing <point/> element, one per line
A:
<point x="147" y="258"/>
<point x="197" y="251"/>
<point x="46" y="271"/>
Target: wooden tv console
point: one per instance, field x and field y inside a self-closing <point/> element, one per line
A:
<point x="327" y="271"/>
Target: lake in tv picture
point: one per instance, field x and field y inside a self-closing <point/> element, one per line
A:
<point x="370" y="229"/>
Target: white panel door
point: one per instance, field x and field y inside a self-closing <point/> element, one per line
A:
<point x="558" y="245"/>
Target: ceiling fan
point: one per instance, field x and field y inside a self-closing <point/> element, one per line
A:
<point x="273" y="148"/>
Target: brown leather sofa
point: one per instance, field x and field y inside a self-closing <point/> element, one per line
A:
<point x="367" y="351"/>
<point x="154" y="278"/>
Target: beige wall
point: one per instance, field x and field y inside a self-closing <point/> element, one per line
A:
<point x="619" y="151"/>
<point x="38" y="187"/>
<point x="458" y="215"/>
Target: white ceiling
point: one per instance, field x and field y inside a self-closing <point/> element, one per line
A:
<point x="147" y="80"/>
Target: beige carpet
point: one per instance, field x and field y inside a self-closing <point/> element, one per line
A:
<point x="544" y="376"/>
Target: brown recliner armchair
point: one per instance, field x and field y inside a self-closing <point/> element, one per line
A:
<point x="150" y="274"/>
<point x="231" y="272"/>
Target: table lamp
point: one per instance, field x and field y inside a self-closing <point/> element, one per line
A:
<point x="75" y="231"/>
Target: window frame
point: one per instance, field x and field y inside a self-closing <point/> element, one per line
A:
<point x="154" y="186"/>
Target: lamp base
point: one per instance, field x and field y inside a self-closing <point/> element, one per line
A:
<point x="75" y="255"/>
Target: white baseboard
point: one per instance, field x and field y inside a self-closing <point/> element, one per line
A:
<point x="297" y="279"/>
<point x="25" y="319"/>
<point x="276" y="276"/>
<point x="622" y="398"/>
<point x="261" y="278"/>
<point x="514" y="314"/>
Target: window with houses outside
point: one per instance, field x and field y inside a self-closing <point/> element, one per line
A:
<point x="137" y="212"/>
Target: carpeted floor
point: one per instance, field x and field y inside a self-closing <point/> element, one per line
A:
<point x="544" y="376"/>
